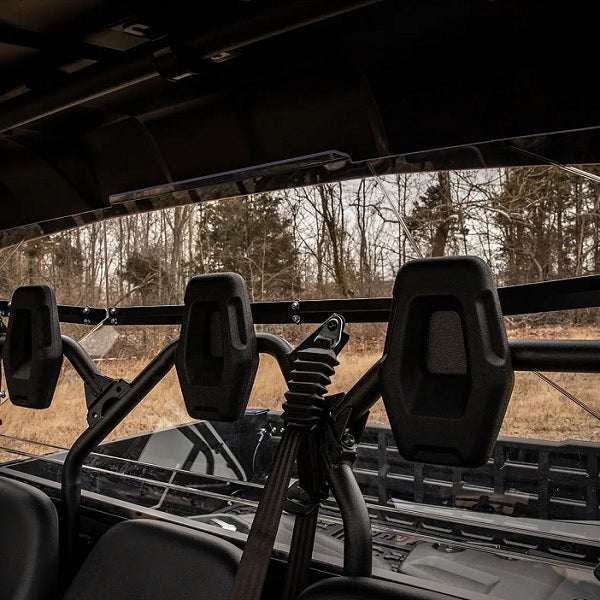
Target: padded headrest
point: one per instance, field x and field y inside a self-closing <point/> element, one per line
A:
<point x="446" y="375"/>
<point x="217" y="355"/>
<point x="32" y="352"/>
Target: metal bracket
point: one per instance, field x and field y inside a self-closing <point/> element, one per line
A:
<point x="338" y="444"/>
<point x="102" y="394"/>
<point x="330" y="334"/>
<point x="299" y="502"/>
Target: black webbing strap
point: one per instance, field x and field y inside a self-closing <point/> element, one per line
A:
<point x="312" y="481"/>
<point x="298" y="569"/>
<point x="252" y="571"/>
<point x="313" y="364"/>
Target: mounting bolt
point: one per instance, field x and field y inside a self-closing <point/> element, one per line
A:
<point x="2" y="394"/>
<point x="94" y="415"/>
<point x="113" y="310"/>
<point x="87" y="310"/>
<point x="347" y="440"/>
<point x="332" y="324"/>
<point x="86" y="321"/>
<point x="296" y="319"/>
<point x="113" y="321"/>
<point x="295" y="305"/>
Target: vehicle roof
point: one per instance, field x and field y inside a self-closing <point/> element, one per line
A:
<point x="102" y="99"/>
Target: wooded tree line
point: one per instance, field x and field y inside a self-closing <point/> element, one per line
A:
<point x="331" y="240"/>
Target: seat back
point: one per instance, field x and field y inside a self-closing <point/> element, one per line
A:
<point x="365" y="588"/>
<point x="28" y="543"/>
<point x="152" y="560"/>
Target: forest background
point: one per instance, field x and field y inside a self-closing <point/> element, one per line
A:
<point x="331" y="240"/>
<point x="336" y="240"/>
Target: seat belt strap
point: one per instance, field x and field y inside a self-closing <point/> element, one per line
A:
<point x="313" y="364"/>
<point x="298" y="569"/>
<point x="253" y="567"/>
<point x="303" y="501"/>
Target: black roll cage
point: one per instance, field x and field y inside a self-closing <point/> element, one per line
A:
<point x="528" y="298"/>
<point x="527" y="355"/>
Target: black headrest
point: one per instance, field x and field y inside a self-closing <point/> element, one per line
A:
<point x="217" y="355"/>
<point x="32" y="352"/>
<point x="446" y="375"/>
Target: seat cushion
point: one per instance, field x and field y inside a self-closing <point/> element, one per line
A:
<point x="364" y="588"/>
<point x="28" y="543"/>
<point x="152" y="560"/>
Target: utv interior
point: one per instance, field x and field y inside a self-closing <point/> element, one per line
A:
<point x="110" y="109"/>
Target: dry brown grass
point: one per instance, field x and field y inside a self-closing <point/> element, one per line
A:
<point x="535" y="410"/>
<point x="538" y="411"/>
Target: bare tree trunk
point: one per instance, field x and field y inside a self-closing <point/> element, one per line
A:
<point x="579" y="230"/>
<point x="362" y="223"/>
<point x="442" y="227"/>
<point x="332" y="212"/>
<point x="596" y="229"/>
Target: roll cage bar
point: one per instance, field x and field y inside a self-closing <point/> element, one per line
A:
<point x="529" y="298"/>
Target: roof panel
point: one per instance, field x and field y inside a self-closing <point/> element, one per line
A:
<point x="218" y="86"/>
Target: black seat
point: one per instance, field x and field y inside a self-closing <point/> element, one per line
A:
<point x="29" y="543"/>
<point x="365" y="588"/>
<point x="152" y="560"/>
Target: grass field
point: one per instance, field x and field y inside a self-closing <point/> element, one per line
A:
<point x="535" y="410"/>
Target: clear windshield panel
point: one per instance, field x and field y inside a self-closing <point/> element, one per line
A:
<point x="533" y="511"/>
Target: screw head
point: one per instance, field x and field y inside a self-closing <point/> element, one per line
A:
<point x="113" y="321"/>
<point x="86" y="321"/>
<point x="86" y="310"/>
<point x="2" y="394"/>
<point x="296" y="319"/>
<point x="113" y="311"/>
<point x="332" y="324"/>
<point x="295" y="305"/>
